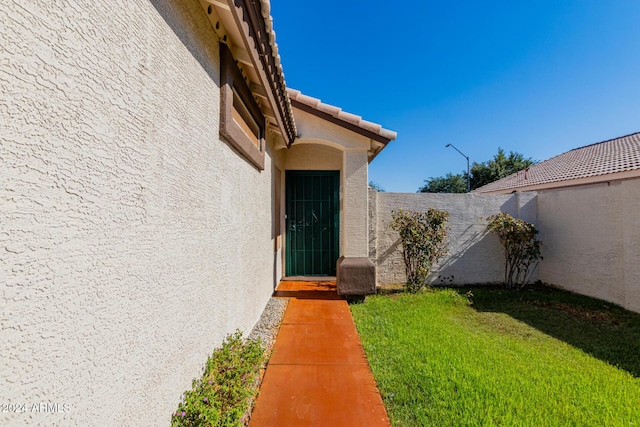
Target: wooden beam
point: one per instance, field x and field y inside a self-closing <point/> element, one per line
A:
<point x="215" y="20"/>
<point x="274" y="129"/>
<point x="258" y="91"/>
<point x="248" y="17"/>
<point x="219" y="3"/>
<point x="242" y="56"/>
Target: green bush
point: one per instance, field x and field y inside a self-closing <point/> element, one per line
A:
<point x="224" y="393"/>
<point x="521" y="248"/>
<point x="423" y="236"/>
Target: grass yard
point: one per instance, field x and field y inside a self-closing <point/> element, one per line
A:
<point x="484" y="357"/>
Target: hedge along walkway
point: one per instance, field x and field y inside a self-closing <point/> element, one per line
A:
<point x="318" y="374"/>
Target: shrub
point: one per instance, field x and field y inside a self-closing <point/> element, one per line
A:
<point x="423" y="236"/>
<point x="224" y="393"/>
<point x="521" y="248"/>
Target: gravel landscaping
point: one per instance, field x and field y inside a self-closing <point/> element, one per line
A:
<point x="267" y="327"/>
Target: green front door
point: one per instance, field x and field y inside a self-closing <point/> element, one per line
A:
<point x="312" y="222"/>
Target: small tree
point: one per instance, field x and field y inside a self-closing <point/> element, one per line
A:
<point x="423" y="236"/>
<point x="445" y="184"/>
<point x="521" y="248"/>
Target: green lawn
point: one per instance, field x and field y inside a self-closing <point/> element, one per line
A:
<point x="484" y="357"/>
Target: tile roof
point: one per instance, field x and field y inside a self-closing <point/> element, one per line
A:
<point x="268" y="20"/>
<point x="337" y="113"/>
<point x="287" y="96"/>
<point x="603" y="158"/>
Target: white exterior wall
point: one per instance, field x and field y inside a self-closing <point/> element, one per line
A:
<point x="132" y="239"/>
<point x="591" y="240"/>
<point x="475" y="256"/>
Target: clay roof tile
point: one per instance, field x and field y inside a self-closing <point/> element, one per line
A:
<point x="338" y="113"/>
<point x="602" y="158"/>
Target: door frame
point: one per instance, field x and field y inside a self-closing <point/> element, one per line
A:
<point x="290" y="176"/>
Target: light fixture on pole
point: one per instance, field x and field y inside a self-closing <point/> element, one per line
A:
<point x="466" y="157"/>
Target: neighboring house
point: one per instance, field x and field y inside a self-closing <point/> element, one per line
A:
<point x="158" y="180"/>
<point x="607" y="161"/>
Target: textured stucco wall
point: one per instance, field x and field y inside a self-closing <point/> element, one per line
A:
<point x="475" y="256"/>
<point x="591" y="240"/>
<point x="311" y="127"/>
<point x="355" y="214"/>
<point x="313" y="157"/>
<point x="131" y="238"/>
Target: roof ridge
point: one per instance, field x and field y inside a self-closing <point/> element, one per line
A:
<point x="600" y="142"/>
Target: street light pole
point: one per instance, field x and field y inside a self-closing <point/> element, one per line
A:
<point x="466" y="157"/>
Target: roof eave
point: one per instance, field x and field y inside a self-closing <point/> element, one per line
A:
<point x="255" y="47"/>
<point x="378" y="135"/>
<point x="566" y="183"/>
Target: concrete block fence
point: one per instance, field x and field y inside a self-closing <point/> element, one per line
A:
<point x="475" y="256"/>
<point x="590" y="235"/>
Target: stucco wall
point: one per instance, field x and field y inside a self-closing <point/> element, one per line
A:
<point x="475" y="256"/>
<point x="313" y="157"/>
<point x="355" y="204"/>
<point x="313" y="128"/>
<point x="131" y="238"/>
<point x="591" y="240"/>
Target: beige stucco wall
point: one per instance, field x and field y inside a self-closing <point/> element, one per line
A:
<point x="475" y="256"/>
<point x="355" y="204"/>
<point x="132" y="239"/>
<point x="591" y="240"/>
<point x="313" y="156"/>
<point x="311" y="127"/>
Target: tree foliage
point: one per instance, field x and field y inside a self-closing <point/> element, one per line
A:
<point x="423" y="236"/>
<point x="500" y="166"/>
<point x="521" y="247"/>
<point x="445" y="184"/>
<point x="480" y="174"/>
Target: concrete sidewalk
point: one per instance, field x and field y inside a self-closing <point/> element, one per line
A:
<point x="318" y="374"/>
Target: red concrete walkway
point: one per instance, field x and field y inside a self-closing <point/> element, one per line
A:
<point x="318" y="374"/>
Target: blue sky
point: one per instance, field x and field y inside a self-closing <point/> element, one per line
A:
<point x="537" y="77"/>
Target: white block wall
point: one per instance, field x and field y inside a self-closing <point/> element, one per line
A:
<point x="592" y="240"/>
<point x="132" y="239"/>
<point x="475" y="256"/>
